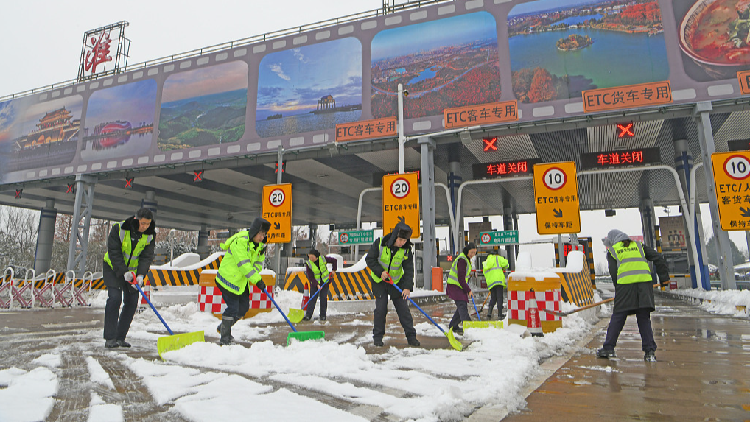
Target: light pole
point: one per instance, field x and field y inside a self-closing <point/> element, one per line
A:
<point x="401" y="138"/>
<point x="171" y="247"/>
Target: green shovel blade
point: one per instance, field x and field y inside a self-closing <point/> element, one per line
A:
<point x="483" y="324"/>
<point x="304" y="336"/>
<point x="452" y="340"/>
<point x="178" y="341"/>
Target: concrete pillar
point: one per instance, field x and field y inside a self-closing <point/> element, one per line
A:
<point x="203" y="242"/>
<point x="150" y="202"/>
<point x="684" y="164"/>
<point x="648" y="222"/>
<point x="724" y="250"/>
<point x="454" y="182"/>
<point x="45" y="237"/>
<point x="429" y="258"/>
<point x="313" y="228"/>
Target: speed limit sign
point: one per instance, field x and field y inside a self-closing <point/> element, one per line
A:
<point x="732" y="181"/>
<point x="276" y="198"/>
<point x="401" y="202"/>
<point x="554" y="178"/>
<point x="400" y="188"/>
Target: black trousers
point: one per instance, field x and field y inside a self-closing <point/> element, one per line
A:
<point x="461" y="315"/>
<point x="381" y="310"/>
<point x="323" y="295"/>
<point x="116" y="328"/>
<point x="617" y="321"/>
<point x="496" y="297"/>
<point x="237" y="305"/>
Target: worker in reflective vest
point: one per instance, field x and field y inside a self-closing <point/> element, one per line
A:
<point x="634" y="293"/>
<point x="458" y="287"/>
<point x="241" y="265"/>
<point x="493" y="269"/>
<point x="130" y="252"/>
<point x="316" y="269"/>
<point x="391" y="261"/>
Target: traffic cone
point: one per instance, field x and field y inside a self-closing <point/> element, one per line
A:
<point x="305" y="296"/>
<point x="533" y="323"/>
<point x="146" y="292"/>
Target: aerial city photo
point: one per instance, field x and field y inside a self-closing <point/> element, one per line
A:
<point x="449" y="63"/>
<point x="558" y="52"/>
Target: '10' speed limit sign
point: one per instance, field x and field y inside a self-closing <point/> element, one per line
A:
<point x="732" y="179"/>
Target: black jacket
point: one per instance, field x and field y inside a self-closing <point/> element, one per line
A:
<point x="114" y="277"/>
<point x="407" y="281"/>
<point x="631" y="297"/>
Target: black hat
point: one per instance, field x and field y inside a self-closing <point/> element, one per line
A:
<point x="259" y="224"/>
<point x="469" y="246"/>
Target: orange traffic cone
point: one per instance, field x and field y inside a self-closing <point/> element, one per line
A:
<point x="146" y="292"/>
<point x="533" y="323"/>
<point x="305" y="297"/>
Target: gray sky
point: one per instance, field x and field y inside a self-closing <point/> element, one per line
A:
<point x="41" y="45"/>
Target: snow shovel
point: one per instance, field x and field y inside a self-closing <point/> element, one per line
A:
<point x="296" y="335"/>
<point x="173" y="341"/>
<point x="481" y="307"/>
<point x="562" y="314"/>
<point x="296" y="315"/>
<point x="480" y="323"/>
<point x="451" y="338"/>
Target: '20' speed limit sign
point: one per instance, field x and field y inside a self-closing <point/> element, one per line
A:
<point x="400" y="188"/>
<point x="277" y="197"/>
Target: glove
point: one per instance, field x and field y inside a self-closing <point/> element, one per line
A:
<point x="129" y="277"/>
<point x="139" y="280"/>
<point x="261" y="285"/>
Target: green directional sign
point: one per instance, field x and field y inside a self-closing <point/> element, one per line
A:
<point x="495" y="238"/>
<point x="356" y="237"/>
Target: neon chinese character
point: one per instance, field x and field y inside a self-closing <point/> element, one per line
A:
<point x="99" y="52"/>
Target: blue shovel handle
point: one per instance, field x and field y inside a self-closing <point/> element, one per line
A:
<point x="420" y="309"/>
<point x="280" y="311"/>
<point x="475" y="307"/>
<point x="316" y="294"/>
<point x="152" y="307"/>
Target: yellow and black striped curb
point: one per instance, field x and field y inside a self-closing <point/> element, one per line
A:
<point x="345" y="285"/>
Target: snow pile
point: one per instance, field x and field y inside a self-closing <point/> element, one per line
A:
<point x="720" y="301"/>
<point x="28" y="395"/>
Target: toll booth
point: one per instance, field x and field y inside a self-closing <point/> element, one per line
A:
<point x="585" y="246"/>
<point x="675" y="249"/>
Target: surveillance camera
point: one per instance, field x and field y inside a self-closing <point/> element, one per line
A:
<point x="406" y="93"/>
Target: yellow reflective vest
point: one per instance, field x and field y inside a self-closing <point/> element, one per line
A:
<point x="493" y="270"/>
<point x="632" y="265"/>
<point x="453" y="274"/>
<point x="320" y="270"/>
<point x="130" y="255"/>
<point x="393" y="265"/>
<point x="242" y="263"/>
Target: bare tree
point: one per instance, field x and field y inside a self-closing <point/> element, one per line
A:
<point x="18" y="234"/>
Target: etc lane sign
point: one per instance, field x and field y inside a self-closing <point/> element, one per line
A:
<point x="732" y="179"/>
<point x="277" y="209"/>
<point x="556" y="198"/>
<point x="496" y="238"/>
<point x="401" y="202"/>
<point x="356" y="237"/>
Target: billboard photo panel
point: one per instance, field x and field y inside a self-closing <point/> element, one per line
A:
<point x="120" y="121"/>
<point x="203" y="107"/>
<point x="447" y="63"/>
<point x="560" y="48"/>
<point x="310" y="88"/>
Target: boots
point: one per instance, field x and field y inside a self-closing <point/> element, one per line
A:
<point x="226" y="331"/>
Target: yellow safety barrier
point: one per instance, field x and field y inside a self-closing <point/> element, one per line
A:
<point x="345" y="285"/>
<point x="577" y="286"/>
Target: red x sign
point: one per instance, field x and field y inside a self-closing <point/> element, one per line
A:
<point x="18" y="193"/>
<point x="129" y="182"/>
<point x="197" y="176"/>
<point x="70" y="188"/>
<point x="625" y="130"/>
<point x="490" y="144"/>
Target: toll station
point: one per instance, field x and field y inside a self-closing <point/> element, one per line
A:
<point x="480" y="141"/>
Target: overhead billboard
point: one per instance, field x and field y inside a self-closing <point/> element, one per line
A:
<point x="460" y="55"/>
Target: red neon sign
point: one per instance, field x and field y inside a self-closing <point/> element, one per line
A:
<point x="490" y="144"/>
<point x="626" y="130"/>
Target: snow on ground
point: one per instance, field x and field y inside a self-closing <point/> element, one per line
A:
<point x="727" y="302"/>
<point x="205" y="382"/>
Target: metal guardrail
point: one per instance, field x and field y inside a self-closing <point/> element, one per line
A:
<point x="231" y="44"/>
